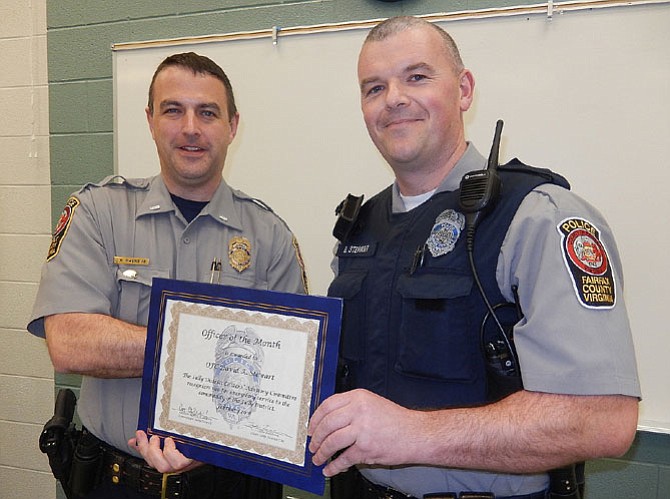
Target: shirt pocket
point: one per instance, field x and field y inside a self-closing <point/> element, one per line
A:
<point x="350" y="287"/>
<point x="134" y="284"/>
<point x="250" y="281"/>
<point x="436" y="336"/>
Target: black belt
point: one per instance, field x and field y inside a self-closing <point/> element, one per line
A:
<point x="123" y="469"/>
<point x="374" y="491"/>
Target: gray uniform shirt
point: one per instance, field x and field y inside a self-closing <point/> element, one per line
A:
<point x="563" y="346"/>
<point x="115" y="236"/>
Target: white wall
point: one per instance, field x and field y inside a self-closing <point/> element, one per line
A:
<point x="576" y="94"/>
<point x="26" y="374"/>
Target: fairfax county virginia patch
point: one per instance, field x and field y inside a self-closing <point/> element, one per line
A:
<point x="587" y="262"/>
<point x="62" y="227"/>
<point x="445" y="232"/>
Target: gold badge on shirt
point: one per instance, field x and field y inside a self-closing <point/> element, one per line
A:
<point x="239" y="253"/>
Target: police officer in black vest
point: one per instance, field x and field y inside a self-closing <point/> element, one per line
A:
<point x="485" y="338"/>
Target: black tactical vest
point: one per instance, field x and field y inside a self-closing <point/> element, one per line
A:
<point x="412" y="326"/>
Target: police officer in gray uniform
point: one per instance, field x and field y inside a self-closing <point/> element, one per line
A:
<point x="115" y="236"/>
<point x="435" y="401"/>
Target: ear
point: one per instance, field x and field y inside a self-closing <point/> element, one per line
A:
<point x="234" y="122"/>
<point x="150" y="120"/>
<point x="467" y="86"/>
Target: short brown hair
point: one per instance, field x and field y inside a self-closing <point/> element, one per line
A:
<point x="199" y="64"/>
<point x="395" y="25"/>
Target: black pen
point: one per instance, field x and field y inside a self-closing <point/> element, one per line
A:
<point x="417" y="261"/>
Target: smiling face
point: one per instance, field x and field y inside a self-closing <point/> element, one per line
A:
<point x="413" y="97"/>
<point x="192" y="129"/>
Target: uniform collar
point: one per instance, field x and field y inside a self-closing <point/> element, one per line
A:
<point x="221" y="207"/>
<point x="471" y="160"/>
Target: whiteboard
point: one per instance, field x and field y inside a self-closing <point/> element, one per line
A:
<point x="586" y="93"/>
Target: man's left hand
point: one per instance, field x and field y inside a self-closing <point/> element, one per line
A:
<point x="165" y="460"/>
<point x="365" y="425"/>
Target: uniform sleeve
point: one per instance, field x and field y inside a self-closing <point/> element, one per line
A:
<point x="77" y="275"/>
<point x="575" y="336"/>
<point x="287" y="270"/>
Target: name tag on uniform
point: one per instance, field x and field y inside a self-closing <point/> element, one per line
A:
<point x="349" y="250"/>
<point x="130" y="260"/>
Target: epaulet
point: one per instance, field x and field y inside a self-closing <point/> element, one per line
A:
<point x="261" y="204"/>
<point x="517" y="166"/>
<point x="119" y="180"/>
<point x="245" y="197"/>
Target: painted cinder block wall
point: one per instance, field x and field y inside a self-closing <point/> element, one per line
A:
<point x="79" y="34"/>
<point x="26" y="375"/>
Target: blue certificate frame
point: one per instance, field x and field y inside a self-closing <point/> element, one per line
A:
<point x="234" y="374"/>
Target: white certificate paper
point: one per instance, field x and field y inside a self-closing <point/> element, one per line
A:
<point x="234" y="374"/>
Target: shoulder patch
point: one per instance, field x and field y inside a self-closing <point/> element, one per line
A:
<point x="62" y="227"/>
<point x="587" y="262"/>
<point x="301" y="262"/>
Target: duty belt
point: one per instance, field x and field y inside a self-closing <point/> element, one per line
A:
<point x="374" y="491"/>
<point x="122" y="469"/>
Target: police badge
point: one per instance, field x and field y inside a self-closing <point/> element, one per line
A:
<point x="445" y="232"/>
<point x="239" y="253"/>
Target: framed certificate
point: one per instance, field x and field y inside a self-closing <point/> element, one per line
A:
<point x="233" y="375"/>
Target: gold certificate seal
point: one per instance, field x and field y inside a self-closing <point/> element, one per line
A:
<point x="239" y="253"/>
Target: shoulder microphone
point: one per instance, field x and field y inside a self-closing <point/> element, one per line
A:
<point x="480" y="188"/>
